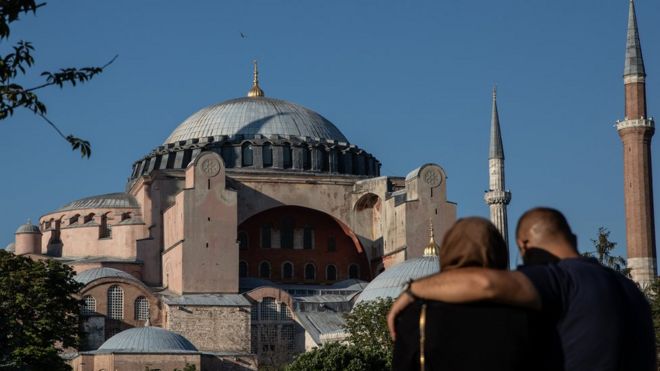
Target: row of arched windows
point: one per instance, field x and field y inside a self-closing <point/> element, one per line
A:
<point x="265" y="271"/>
<point x="247" y="156"/>
<point x="116" y="305"/>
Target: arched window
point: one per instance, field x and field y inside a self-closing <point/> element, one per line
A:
<point x="353" y="271"/>
<point x="267" y="154"/>
<point x="287" y="271"/>
<point x="74" y="219"/>
<point x="286" y="156"/>
<point x="105" y="231"/>
<point x="264" y="270"/>
<point x="308" y="237"/>
<point x="125" y="216"/>
<point x="332" y="243"/>
<point x="227" y="152"/>
<point x="88" y="218"/>
<point x="325" y="160"/>
<point x="310" y="271"/>
<point x="115" y="302"/>
<point x="265" y="237"/>
<point x="242" y="240"/>
<point x="88" y="306"/>
<point x="141" y="308"/>
<point x="246" y="154"/>
<point x="269" y="309"/>
<point x="242" y="269"/>
<point x="331" y="273"/>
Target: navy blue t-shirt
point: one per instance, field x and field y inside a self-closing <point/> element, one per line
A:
<point x="603" y="320"/>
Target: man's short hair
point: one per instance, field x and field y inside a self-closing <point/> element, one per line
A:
<point x="553" y="221"/>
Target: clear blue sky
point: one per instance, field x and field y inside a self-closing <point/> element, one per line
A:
<point x="408" y="81"/>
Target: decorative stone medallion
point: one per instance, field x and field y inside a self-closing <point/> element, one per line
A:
<point x="210" y="167"/>
<point x="432" y="177"/>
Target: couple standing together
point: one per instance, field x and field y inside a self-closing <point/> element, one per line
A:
<point x="559" y="311"/>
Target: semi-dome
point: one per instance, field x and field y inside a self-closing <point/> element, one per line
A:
<point x="94" y="274"/>
<point x="251" y="116"/>
<point x="11" y="247"/>
<point x="147" y="340"/>
<point x="107" y="201"/>
<point x="390" y="283"/>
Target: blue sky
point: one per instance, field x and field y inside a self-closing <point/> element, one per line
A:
<point x="408" y="81"/>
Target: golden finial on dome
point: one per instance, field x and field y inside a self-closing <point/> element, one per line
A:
<point x="256" y="90"/>
<point x="432" y="249"/>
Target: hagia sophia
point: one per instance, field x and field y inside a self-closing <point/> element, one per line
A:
<point x="247" y="235"/>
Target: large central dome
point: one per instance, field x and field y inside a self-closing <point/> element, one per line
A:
<point x="250" y="116"/>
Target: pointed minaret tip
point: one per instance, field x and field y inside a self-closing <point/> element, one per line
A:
<point x="496" y="150"/>
<point x="255" y="91"/>
<point x="634" y="64"/>
<point x="432" y="249"/>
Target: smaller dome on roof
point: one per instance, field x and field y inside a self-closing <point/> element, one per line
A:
<point x="28" y="228"/>
<point x="94" y="274"/>
<point x="11" y="247"/>
<point x="390" y="283"/>
<point x="107" y="201"/>
<point x="147" y="340"/>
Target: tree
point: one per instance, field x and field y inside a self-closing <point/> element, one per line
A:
<point x="17" y="63"/>
<point x="39" y="314"/>
<point x="368" y="345"/>
<point x="653" y="295"/>
<point x="603" y="249"/>
<point x="366" y="325"/>
<point x="336" y="356"/>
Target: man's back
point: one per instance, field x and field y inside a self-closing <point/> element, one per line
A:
<point x="479" y="336"/>
<point x="603" y="320"/>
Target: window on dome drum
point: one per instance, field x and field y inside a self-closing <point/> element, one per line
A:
<point x="242" y="269"/>
<point x="246" y="154"/>
<point x="227" y="153"/>
<point x="88" y="218"/>
<point x="332" y="243"/>
<point x="308" y="237"/>
<point x="353" y="271"/>
<point x="141" y="308"/>
<point x="325" y="161"/>
<point x="286" y="156"/>
<point x="74" y="219"/>
<point x="115" y="302"/>
<point x="341" y="164"/>
<point x="331" y="273"/>
<point x="265" y="237"/>
<point x="242" y="240"/>
<point x="307" y="158"/>
<point x="125" y="216"/>
<point x="267" y="154"/>
<point x="104" y="230"/>
<point x="264" y="270"/>
<point x="286" y="233"/>
<point x="287" y="271"/>
<point x="88" y="306"/>
<point x="310" y="271"/>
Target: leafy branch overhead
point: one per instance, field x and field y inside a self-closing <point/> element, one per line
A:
<point x="18" y="62"/>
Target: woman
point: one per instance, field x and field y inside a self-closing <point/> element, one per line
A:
<point x="477" y="336"/>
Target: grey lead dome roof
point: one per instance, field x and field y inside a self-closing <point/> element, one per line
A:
<point x="107" y="201"/>
<point x="94" y="274"/>
<point x="147" y="340"/>
<point x="390" y="283"/>
<point x="256" y="115"/>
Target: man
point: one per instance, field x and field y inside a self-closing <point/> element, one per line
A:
<point x="603" y="320"/>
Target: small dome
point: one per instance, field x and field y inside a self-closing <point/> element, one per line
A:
<point x="107" y="201"/>
<point x="390" y="283"/>
<point x="254" y="115"/>
<point x="94" y="274"/>
<point x="11" y="247"/>
<point x="147" y="340"/>
<point x="28" y="228"/>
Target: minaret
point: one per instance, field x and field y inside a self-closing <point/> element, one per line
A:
<point x="497" y="197"/>
<point x="636" y="131"/>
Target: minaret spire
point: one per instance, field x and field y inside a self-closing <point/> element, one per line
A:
<point x="634" y="64"/>
<point x="255" y="91"/>
<point x="432" y="249"/>
<point x="497" y="197"/>
<point x="636" y="131"/>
